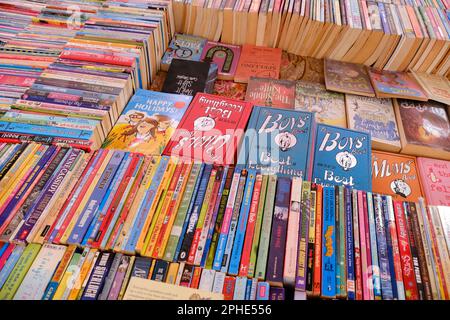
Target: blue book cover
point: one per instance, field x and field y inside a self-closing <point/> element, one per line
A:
<point x="146" y="205"/>
<point x="98" y="276"/>
<point x="279" y="141"/>
<point x="91" y="233"/>
<point x="189" y="210"/>
<point x="248" y="290"/>
<point x="350" y="254"/>
<point x="90" y="210"/>
<point x="373" y="248"/>
<point x="385" y="208"/>
<point x="10" y="263"/>
<point x="147" y="122"/>
<point x="194" y="214"/>
<point x="383" y="255"/>
<point x="342" y="157"/>
<point x="184" y="47"/>
<point x="242" y="224"/>
<point x="45" y="130"/>
<point x="141" y="267"/>
<point x="262" y="291"/>
<point x="328" y="244"/>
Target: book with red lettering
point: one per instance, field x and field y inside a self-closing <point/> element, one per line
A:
<point x="435" y="180"/>
<point x="210" y="130"/>
<point x="271" y="93"/>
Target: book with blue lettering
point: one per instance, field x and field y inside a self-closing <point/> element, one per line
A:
<point x="147" y="122"/>
<point x="279" y="141"/>
<point x="342" y="157"/>
<point x="328" y="244"/>
<point x="90" y="210"/>
<point x="242" y="224"/>
<point x="275" y="261"/>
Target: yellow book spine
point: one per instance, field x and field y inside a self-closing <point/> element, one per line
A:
<point x="172" y="272"/>
<point x="87" y="264"/>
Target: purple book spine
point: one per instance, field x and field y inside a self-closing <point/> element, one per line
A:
<point x="118" y="279"/>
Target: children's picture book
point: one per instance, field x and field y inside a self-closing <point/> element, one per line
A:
<point x="375" y="116"/>
<point x="225" y="56"/>
<point x="395" y="175"/>
<point x="424" y="128"/>
<point x="258" y="61"/>
<point x="279" y="142"/>
<point x="211" y="130"/>
<point x="436" y="87"/>
<point x="328" y="106"/>
<point x="348" y="78"/>
<point x="147" y="122"/>
<point x="271" y="93"/>
<point x="187" y="77"/>
<point x="230" y="89"/>
<point x="183" y="46"/>
<point x="395" y="84"/>
<point x="342" y="157"/>
<point x="294" y="67"/>
<point x="435" y="180"/>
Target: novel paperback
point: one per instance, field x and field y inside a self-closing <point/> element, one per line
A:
<point x="258" y="61"/>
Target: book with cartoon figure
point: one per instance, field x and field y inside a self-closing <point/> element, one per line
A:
<point x="342" y="157"/>
<point x="148" y="122"/>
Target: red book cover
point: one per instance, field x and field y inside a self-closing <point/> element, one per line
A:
<point x="409" y="280"/>
<point x="271" y="93"/>
<point x="196" y="277"/>
<point x="210" y="130"/>
<point x="228" y="288"/>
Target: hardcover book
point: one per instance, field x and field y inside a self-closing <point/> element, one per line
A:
<point x="393" y="84"/>
<point x="211" y="130"/>
<point x="294" y="67"/>
<point x="374" y="116"/>
<point x="424" y="128"/>
<point x="147" y="122"/>
<point x="342" y="157"/>
<point x="435" y="180"/>
<point x="348" y="78"/>
<point x="279" y="142"/>
<point x="230" y="89"/>
<point x="225" y="56"/>
<point x="328" y="106"/>
<point x="395" y="175"/>
<point x="271" y="93"/>
<point x="183" y="46"/>
<point x="436" y="87"/>
<point x="258" y="61"/>
<point x="187" y="77"/>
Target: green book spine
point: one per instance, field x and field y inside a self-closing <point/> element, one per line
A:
<point x="20" y="270"/>
<point x="256" y="235"/>
<point x="181" y="214"/>
<point x="264" y="241"/>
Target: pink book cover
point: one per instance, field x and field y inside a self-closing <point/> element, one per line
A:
<point x="435" y="180"/>
<point x="226" y="56"/>
<point x="363" y="247"/>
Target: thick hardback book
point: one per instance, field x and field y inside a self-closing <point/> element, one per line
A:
<point x="186" y="77"/>
<point x="424" y="128"/>
<point x="374" y="116"/>
<point x="271" y="93"/>
<point x="147" y="122"/>
<point x="348" y="78"/>
<point x="342" y="157"/>
<point x="211" y="130"/>
<point x="435" y="180"/>
<point x="395" y="175"/>
<point x="279" y="142"/>
<point x="225" y="56"/>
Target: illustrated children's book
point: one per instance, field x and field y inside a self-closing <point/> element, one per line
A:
<point x="271" y="93"/>
<point x="279" y="142"/>
<point x="230" y="89"/>
<point x="342" y="157"/>
<point x="395" y="175"/>
<point x="188" y="77"/>
<point x="211" y="130"/>
<point x="148" y="122"/>
<point x="183" y="46"/>
<point x="435" y="179"/>
<point x="225" y="56"/>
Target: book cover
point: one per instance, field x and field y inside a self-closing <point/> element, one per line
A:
<point x="279" y="142"/>
<point x="225" y="56"/>
<point x="328" y="106"/>
<point x="394" y="84"/>
<point x="374" y="116"/>
<point x="348" y="78"/>
<point x="424" y="128"/>
<point x="328" y="289"/>
<point x="436" y="87"/>
<point x="147" y="122"/>
<point x="258" y="61"/>
<point x="98" y="276"/>
<point x="186" y="77"/>
<point x="183" y="46"/>
<point x="211" y="130"/>
<point x="294" y="67"/>
<point x="230" y="89"/>
<point x="396" y="175"/>
<point x="435" y="180"/>
<point x="342" y="157"/>
<point x="271" y="93"/>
